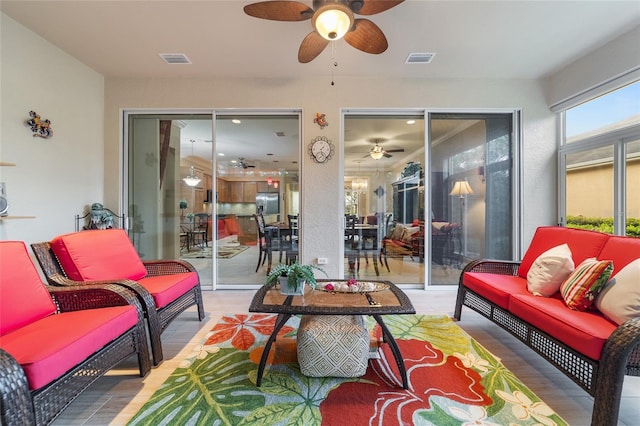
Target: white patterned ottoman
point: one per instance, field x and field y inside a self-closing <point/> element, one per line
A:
<point x="333" y="345"/>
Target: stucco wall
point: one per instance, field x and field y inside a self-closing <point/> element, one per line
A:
<point x="54" y="178"/>
<point x="321" y="183"/>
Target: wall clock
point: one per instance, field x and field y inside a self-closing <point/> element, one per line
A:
<point x="321" y="149"/>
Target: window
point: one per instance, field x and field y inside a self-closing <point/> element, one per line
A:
<point x="600" y="163"/>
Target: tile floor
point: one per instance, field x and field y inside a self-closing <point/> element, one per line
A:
<point x="115" y="398"/>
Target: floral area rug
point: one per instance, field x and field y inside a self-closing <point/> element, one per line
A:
<point x="224" y="252"/>
<point x="453" y="380"/>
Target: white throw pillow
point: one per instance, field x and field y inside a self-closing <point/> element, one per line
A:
<point x="549" y="270"/>
<point x="620" y="299"/>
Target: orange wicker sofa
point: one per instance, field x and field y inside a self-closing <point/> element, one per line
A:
<point x="55" y="342"/>
<point x="597" y="345"/>
<point x="164" y="288"/>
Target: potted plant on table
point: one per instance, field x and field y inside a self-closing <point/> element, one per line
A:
<point x="292" y="277"/>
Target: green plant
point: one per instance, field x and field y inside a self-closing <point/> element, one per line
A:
<point x="294" y="272"/>
<point x="603" y="224"/>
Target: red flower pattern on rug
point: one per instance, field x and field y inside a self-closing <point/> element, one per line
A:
<point x="240" y="330"/>
<point x="429" y="374"/>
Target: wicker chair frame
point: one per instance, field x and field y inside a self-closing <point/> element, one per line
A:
<point x="602" y="379"/>
<point x="20" y="406"/>
<point x="157" y="319"/>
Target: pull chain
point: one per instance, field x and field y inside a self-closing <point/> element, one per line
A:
<point x="335" y="63"/>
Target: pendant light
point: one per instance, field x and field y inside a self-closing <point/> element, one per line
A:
<point x="192" y="179"/>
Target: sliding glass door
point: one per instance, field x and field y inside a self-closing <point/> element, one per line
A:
<point x="437" y="202"/>
<point x="193" y="184"/>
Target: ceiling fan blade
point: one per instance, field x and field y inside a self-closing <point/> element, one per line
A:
<point x="367" y="36"/>
<point x="371" y="7"/>
<point x="312" y="45"/>
<point x="394" y="150"/>
<point x="387" y="155"/>
<point x="279" y="10"/>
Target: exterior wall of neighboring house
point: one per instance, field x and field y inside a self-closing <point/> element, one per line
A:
<point x="590" y="189"/>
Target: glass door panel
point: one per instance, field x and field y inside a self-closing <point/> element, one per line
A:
<point x="384" y="190"/>
<point x="161" y="206"/>
<point x="471" y="187"/>
<point x="256" y="173"/>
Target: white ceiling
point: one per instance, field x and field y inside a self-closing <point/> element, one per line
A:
<point x="471" y="39"/>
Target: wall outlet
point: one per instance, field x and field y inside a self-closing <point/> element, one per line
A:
<point x="323" y="261"/>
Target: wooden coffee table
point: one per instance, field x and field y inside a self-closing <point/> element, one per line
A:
<point x="389" y="301"/>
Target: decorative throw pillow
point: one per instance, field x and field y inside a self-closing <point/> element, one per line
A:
<point x="549" y="270"/>
<point x="408" y="233"/>
<point x="580" y="289"/>
<point x="397" y="232"/>
<point x="620" y="299"/>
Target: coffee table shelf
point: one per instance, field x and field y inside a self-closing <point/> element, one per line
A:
<point x="318" y="302"/>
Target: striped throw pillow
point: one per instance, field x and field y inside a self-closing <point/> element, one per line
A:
<point x="580" y="289"/>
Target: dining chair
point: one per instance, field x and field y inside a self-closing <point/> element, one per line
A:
<point x="268" y="242"/>
<point x="262" y="240"/>
<point x="185" y="238"/>
<point x="351" y="243"/>
<point x="291" y="240"/>
<point x="200" y="232"/>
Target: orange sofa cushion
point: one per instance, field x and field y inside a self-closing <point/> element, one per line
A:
<point x="98" y="255"/>
<point x="496" y="288"/>
<point x="167" y="288"/>
<point x="51" y="346"/>
<point x="582" y="243"/>
<point x="586" y="332"/>
<point x="622" y="250"/>
<point x="23" y="297"/>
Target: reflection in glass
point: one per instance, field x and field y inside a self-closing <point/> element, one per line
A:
<point x="590" y="189"/>
<point x="633" y="189"/>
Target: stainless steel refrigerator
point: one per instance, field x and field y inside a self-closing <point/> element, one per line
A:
<point x="269" y="201"/>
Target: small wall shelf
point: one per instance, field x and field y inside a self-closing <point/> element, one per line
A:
<point x="16" y="217"/>
<point x="4" y="163"/>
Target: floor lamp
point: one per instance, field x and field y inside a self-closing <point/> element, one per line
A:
<point x="461" y="188"/>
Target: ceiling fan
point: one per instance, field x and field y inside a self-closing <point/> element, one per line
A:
<point x="241" y="162"/>
<point x="331" y="20"/>
<point x="377" y="152"/>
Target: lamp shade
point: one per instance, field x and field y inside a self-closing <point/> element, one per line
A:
<point x="332" y="21"/>
<point x="461" y="188"/>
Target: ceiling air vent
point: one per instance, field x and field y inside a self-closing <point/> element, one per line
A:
<point x="279" y="134"/>
<point x="419" y="58"/>
<point x="175" y="58"/>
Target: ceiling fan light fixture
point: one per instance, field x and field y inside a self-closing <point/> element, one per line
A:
<point x="332" y="21"/>
<point x="376" y="152"/>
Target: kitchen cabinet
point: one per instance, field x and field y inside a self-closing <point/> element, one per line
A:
<point x="249" y="192"/>
<point x="240" y="191"/>
<point x="223" y="191"/>
<point x="236" y="192"/>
